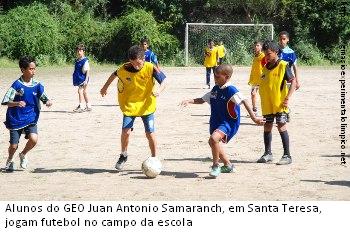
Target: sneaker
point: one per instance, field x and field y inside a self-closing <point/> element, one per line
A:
<point x="215" y="171"/>
<point x="265" y="158"/>
<point x="87" y="109"/>
<point x="23" y="161"/>
<point x="228" y="169"/>
<point x="78" y="109"/>
<point x="285" y="160"/>
<point x="120" y="163"/>
<point x="10" y="166"/>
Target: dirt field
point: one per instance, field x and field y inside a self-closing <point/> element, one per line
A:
<point x="76" y="153"/>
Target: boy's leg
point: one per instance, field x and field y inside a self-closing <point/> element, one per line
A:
<point x="32" y="141"/>
<point x="128" y="122"/>
<point x="214" y="143"/>
<point x="282" y="128"/>
<point x="79" y="108"/>
<point x="14" y="139"/>
<point x="86" y="98"/>
<point x="152" y="143"/>
<point x="31" y="133"/>
<point x="148" y="122"/>
<point x="267" y="156"/>
<point x="208" y="71"/>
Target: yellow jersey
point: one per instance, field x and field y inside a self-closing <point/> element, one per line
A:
<point x="257" y="67"/>
<point x="273" y="89"/>
<point x="221" y="51"/>
<point x="135" y="90"/>
<point x="210" y="59"/>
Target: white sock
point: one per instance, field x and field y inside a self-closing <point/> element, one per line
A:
<point x="88" y="105"/>
<point x="125" y="153"/>
<point x="81" y="105"/>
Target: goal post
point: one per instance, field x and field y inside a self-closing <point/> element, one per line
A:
<point x="237" y="39"/>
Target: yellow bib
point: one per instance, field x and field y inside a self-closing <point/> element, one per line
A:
<point x="221" y="51"/>
<point x="273" y="89"/>
<point x="210" y="59"/>
<point x="256" y="70"/>
<point x="135" y="91"/>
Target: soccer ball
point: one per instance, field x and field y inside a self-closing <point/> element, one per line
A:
<point x="151" y="167"/>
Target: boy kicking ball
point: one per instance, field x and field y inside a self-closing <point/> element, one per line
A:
<point x="224" y="100"/>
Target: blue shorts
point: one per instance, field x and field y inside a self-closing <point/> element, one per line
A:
<point x="16" y="134"/>
<point x="148" y="122"/>
<point x="227" y="132"/>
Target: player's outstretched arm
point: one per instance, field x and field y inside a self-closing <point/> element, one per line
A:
<point x="257" y="120"/>
<point x="185" y="103"/>
<point x="103" y="90"/>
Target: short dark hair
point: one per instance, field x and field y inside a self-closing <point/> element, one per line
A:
<point x="80" y="47"/>
<point x="224" y="68"/>
<point x="136" y="52"/>
<point x="210" y="40"/>
<point x="273" y="46"/>
<point x="25" y="61"/>
<point x="144" y="40"/>
<point x="283" y="33"/>
<point x="258" y="42"/>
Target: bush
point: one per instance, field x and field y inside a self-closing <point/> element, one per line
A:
<point x="29" y="31"/>
<point x="310" y="54"/>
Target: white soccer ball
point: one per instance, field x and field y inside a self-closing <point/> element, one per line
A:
<point x="151" y="167"/>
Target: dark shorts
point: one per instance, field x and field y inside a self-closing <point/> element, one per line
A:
<point x="281" y="118"/>
<point x="148" y="122"/>
<point x="16" y="134"/>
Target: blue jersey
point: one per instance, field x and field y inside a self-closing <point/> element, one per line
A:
<point x="287" y="54"/>
<point x="20" y="117"/>
<point x="79" y="76"/>
<point x="225" y="111"/>
<point x="151" y="57"/>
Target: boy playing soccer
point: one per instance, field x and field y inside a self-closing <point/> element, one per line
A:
<point x="255" y="73"/>
<point x="137" y="97"/>
<point x="221" y="52"/>
<point x="23" y="102"/>
<point x="150" y="56"/>
<point x="275" y="96"/>
<point x="224" y="100"/>
<point x="210" y="60"/>
<point x="287" y="54"/>
<point x="81" y="77"/>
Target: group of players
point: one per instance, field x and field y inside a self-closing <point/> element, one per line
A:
<point x="270" y="75"/>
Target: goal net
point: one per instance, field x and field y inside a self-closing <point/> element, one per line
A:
<point x="237" y="39"/>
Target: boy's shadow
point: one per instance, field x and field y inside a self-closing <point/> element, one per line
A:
<point x="206" y="159"/>
<point x="88" y="171"/>
<point x="175" y="174"/>
<point x="67" y="112"/>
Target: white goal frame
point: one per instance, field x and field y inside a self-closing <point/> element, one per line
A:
<point x="203" y="24"/>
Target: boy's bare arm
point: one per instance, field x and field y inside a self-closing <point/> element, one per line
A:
<point x="184" y="103"/>
<point x="290" y="92"/>
<point x="295" y="69"/>
<point x="257" y="120"/>
<point x="16" y="104"/>
<point x="103" y="90"/>
<point x="160" y="89"/>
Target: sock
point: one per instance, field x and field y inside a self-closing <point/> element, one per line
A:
<point x="81" y="105"/>
<point x="88" y="105"/>
<point x="267" y="142"/>
<point x="285" y="142"/>
<point x="125" y="153"/>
